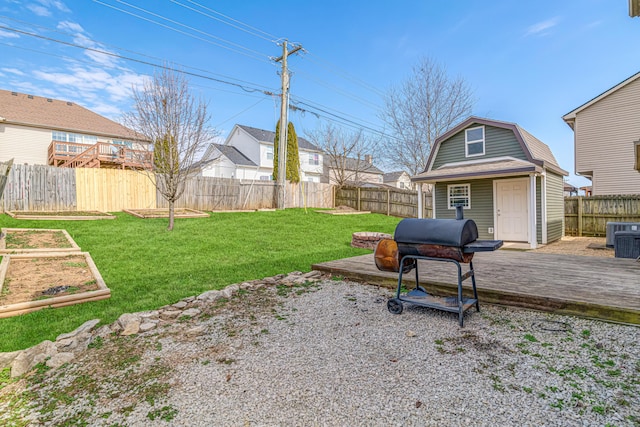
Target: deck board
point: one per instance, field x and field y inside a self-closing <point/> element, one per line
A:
<point x="604" y="288"/>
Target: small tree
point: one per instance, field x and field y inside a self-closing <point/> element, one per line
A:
<point x="166" y="113"/>
<point x="423" y="107"/>
<point x="293" y="158"/>
<point x="347" y="154"/>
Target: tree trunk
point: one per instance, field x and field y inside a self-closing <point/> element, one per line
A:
<point x="170" y="227"/>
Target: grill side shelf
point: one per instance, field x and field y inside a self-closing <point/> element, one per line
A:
<point x="482" y="246"/>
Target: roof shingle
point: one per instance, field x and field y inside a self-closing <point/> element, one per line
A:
<point x="36" y="111"/>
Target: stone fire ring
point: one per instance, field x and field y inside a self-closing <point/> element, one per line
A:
<point x="368" y="239"/>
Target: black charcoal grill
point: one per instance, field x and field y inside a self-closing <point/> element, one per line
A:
<point x="446" y="240"/>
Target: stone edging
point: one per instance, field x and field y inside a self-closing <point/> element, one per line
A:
<point x="70" y="345"/>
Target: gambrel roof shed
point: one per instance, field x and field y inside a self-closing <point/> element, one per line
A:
<point x="537" y="156"/>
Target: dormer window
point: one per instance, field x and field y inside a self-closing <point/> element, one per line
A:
<point x="474" y="141"/>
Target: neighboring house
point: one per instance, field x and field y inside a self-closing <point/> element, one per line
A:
<point x="606" y="133"/>
<point x="398" y="179"/>
<point x="253" y="156"/>
<point x="508" y="181"/>
<point x="43" y="131"/>
<point x="341" y="170"/>
<point x="570" y="190"/>
<point x="225" y="161"/>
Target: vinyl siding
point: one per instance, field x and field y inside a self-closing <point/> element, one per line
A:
<point x="481" y="204"/>
<point x="498" y="143"/>
<point x="604" y="134"/>
<point x="24" y="144"/>
<point x="555" y="207"/>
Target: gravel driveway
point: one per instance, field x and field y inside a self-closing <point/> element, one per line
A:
<point x="330" y="354"/>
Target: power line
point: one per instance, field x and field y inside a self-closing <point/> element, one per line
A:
<point x="270" y="38"/>
<point x="346" y="75"/>
<point x="120" y="49"/>
<point x="255" y="55"/>
<point x="243" y="87"/>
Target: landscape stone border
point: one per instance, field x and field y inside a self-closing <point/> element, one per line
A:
<point x="3" y="242"/>
<point x="99" y="215"/>
<point x="70" y="345"/>
<point x="10" y="310"/>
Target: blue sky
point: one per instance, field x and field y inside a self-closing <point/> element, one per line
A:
<point x="527" y="62"/>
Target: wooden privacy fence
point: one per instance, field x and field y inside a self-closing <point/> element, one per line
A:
<point x="48" y="188"/>
<point x="39" y="188"/>
<point x="588" y="216"/>
<point x="208" y="193"/>
<point x="388" y="201"/>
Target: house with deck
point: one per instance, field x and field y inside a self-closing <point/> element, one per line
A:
<point x="249" y="155"/>
<point x="606" y="132"/>
<point x="507" y="180"/>
<point x="46" y="131"/>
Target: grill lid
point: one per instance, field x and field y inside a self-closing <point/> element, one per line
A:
<point x="445" y="232"/>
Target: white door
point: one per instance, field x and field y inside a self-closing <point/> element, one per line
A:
<point x="512" y="213"/>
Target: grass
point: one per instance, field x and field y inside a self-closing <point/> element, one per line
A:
<point x="147" y="267"/>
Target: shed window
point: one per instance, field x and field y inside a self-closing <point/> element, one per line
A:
<point x="474" y="141"/>
<point x="459" y="195"/>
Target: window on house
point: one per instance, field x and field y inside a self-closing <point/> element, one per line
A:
<point x="128" y="144"/>
<point x="73" y="137"/>
<point x="269" y="153"/>
<point x="314" y="159"/>
<point x="459" y="195"/>
<point x="474" y="141"/>
<point x="265" y="177"/>
<point x="637" y="155"/>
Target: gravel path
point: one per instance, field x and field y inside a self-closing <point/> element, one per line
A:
<point x="330" y="354"/>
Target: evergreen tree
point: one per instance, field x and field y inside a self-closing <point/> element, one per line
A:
<point x="293" y="158"/>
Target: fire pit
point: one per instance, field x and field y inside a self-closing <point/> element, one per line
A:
<point x="445" y="240"/>
<point x="367" y="239"/>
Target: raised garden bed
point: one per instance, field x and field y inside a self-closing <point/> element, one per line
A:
<point x="61" y="215"/>
<point x="30" y="282"/>
<point x="32" y="240"/>
<point x="164" y="213"/>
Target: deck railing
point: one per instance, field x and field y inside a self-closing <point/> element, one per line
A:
<point x="102" y="154"/>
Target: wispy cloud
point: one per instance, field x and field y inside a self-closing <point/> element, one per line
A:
<point x="8" y="35"/>
<point x="13" y="71"/>
<point x="46" y="7"/>
<point x="81" y="38"/>
<point x="542" y="28"/>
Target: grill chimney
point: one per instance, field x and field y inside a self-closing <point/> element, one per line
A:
<point x="459" y="212"/>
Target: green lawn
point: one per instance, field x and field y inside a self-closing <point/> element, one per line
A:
<point x="147" y="267"/>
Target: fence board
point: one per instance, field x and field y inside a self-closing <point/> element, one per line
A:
<point x="208" y="193"/>
<point x="111" y="190"/>
<point x="388" y="201"/>
<point x="588" y="216"/>
<point x="39" y="188"/>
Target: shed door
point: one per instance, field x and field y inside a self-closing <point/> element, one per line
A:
<point x="512" y="213"/>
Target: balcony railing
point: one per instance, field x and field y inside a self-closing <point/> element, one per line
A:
<point x="102" y="154"/>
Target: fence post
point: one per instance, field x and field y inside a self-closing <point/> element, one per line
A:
<point x="358" y="198"/>
<point x="388" y="201"/>
<point x="579" y="216"/>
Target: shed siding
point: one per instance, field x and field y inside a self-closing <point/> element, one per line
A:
<point x="498" y="143"/>
<point x="481" y="204"/>
<point x="555" y="207"/>
<point x="604" y="134"/>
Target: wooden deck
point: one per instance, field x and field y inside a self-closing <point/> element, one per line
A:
<point x="602" y="288"/>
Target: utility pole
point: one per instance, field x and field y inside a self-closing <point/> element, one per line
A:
<point x="284" y="107"/>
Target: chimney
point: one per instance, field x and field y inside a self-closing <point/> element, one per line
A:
<point x="368" y="158"/>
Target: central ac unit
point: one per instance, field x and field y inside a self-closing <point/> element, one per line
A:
<point x="612" y="227"/>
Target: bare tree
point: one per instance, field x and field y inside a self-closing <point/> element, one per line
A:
<point x="168" y="115"/>
<point x="418" y="111"/>
<point x="348" y="156"/>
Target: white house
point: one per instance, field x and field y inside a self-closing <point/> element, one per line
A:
<point x="398" y="179"/>
<point x="247" y="153"/>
